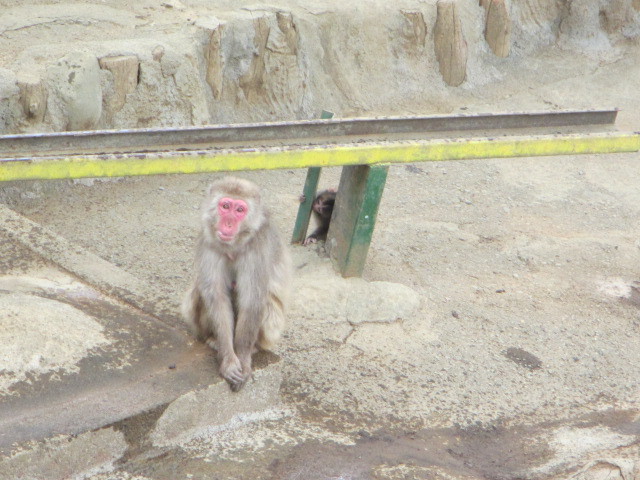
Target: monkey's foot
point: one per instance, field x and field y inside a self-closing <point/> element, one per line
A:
<point x="231" y="370"/>
<point x="211" y="342"/>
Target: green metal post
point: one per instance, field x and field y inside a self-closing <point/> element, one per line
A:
<point x="354" y="217"/>
<point x="309" y="193"/>
<point x="304" y="211"/>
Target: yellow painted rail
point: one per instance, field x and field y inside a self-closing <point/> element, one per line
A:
<point x="111" y="165"/>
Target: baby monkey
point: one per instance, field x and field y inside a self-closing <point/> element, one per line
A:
<point x="322" y="210"/>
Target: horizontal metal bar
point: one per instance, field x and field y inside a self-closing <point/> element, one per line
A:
<point x="306" y="132"/>
<point x="319" y="156"/>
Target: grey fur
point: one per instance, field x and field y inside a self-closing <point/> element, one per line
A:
<point x="238" y="298"/>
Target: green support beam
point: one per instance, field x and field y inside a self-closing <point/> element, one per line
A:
<point x="308" y="194"/>
<point x="304" y="210"/>
<point x="354" y="217"/>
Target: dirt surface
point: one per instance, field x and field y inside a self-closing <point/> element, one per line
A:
<point x="521" y="357"/>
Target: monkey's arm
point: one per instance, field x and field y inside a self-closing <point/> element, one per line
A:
<point x="252" y="277"/>
<point x="319" y="233"/>
<point x="215" y="289"/>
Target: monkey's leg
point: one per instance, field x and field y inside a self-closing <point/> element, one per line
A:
<point x="193" y="312"/>
<point x="272" y="322"/>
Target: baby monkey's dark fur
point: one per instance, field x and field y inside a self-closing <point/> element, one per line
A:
<point x="322" y="210"/>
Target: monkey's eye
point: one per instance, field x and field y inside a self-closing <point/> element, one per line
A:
<point x="240" y="209"/>
<point x="226" y="206"/>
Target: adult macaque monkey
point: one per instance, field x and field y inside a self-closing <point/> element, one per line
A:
<point x="242" y="271"/>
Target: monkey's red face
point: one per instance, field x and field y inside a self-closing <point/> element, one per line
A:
<point x="231" y="213"/>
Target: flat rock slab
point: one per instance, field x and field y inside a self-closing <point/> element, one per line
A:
<point x="73" y="359"/>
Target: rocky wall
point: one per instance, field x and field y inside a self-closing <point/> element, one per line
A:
<point x="68" y="67"/>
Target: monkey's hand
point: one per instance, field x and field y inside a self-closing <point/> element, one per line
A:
<point x="247" y="371"/>
<point x="302" y="198"/>
<point x="231" y="371"/>
<point x="310" y="239"/>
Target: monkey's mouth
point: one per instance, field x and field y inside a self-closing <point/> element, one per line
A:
<point x="225" y="237"/>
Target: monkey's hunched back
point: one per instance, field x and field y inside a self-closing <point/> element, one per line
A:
<point x="242" y="276"/>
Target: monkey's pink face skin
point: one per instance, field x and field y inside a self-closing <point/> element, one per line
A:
<point x="231" y="212"/>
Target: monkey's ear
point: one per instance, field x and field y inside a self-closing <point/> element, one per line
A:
<point x="211" y="189"/>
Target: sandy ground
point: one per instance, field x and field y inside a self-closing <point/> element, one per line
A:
<point x="521" y="358"/>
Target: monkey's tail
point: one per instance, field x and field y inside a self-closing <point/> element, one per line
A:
<point x="272" y="323"/>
